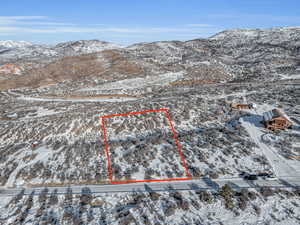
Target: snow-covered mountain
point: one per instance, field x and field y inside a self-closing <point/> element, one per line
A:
<point x="14" y="44"/>
<point x="84" y="47"/>
<point x="276" y="36"/>
<point x="28" y="53"/>
<point x="11" y="51"/>
<point x="281" y="33"/>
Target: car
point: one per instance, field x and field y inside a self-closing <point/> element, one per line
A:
<point x="242" y="174"/>
<point x="270" y="177"/>
<point x="250" y="177"/>
<point x="263" y="174"/>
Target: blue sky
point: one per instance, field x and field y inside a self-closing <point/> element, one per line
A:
<point x="131" y="21"/>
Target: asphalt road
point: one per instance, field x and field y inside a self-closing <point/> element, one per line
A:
<point x="199" y="184"/>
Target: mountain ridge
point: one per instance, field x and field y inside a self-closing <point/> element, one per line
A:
<point x="231" y="55"/>
<point x="14" y="44"/>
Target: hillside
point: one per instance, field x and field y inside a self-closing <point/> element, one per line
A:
<point x="237" y="55"/>
<point x="70" y="120"/>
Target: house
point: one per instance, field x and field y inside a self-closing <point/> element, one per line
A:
<point x="276" y="120"/>
<point x="34" y="145"/>
<point x="297" y="157"/>
<point x="240" y="106"/>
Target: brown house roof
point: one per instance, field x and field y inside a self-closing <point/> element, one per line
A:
<point x="275" y="113"/>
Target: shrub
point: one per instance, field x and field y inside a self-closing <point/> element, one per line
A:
<point x="176" y="195"/>
<point x="184" y="205"/>
<point x="68" y="196"/>
<point x="252" y="195"/>
<point x="266" y="192"/>
<point x="170" y="210"/>
<point x="43" y="195"/>
<point x="242" y="203"/>
<point x="145" y="220"/>
<point x="53" y="198"/>
<point x="213" y="175"/>
<point x="154" y="196"/>
<point x="297" y="191"/>
<point x="68" y="213"/>
<point x="257" y="209"/>
<point x="129" y="219"/>
<point x="29" y="201"/>
<point x="17" y="198"/>
<point x="205" y="196"/>
<point x="138" y="199"/>
<point x="195" y="204"/>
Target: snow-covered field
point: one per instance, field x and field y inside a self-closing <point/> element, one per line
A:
<point x="26" y="157"/>
<point x="92" y="99"/>
<point x="134" y="83"/>
<point x="40" y="112"/>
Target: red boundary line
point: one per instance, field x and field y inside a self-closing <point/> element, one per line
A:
<point x="139" y="181"/>
<point x="133" y="113"/>
<point x="178" y="145"/>
<point x="106" y="150"/>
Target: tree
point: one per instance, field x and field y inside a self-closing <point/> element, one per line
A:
<point x="53" y="198"/>
<point x="43" y="195"/>
<point x="86" y="196"/>
<point x="227" y="193"/>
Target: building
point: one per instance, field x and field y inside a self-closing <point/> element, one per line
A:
<point x="34" y="145"/>
<point x="276" y="120"/>
<point x="297" y="157"/>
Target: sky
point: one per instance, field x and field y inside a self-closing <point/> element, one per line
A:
<point x="131" y="21"/>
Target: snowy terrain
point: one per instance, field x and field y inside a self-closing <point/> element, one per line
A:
<point x="51" y="132"/>
<point x="264" y="206"/>
<point x="134" y="83"/>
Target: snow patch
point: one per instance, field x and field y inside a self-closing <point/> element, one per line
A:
<point x="43" y="154"/>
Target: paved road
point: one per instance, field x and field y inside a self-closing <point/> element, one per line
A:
<point x="199" y="184"/>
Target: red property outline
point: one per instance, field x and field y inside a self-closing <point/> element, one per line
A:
<point x="138" y="181"/>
